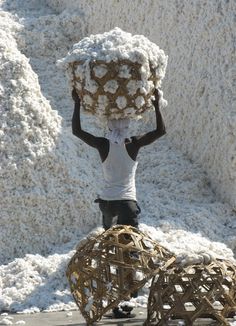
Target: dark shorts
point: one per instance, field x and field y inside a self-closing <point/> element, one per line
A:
<point x="119" y="212"/>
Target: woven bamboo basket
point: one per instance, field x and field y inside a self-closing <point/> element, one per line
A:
<point x="114" y="89"/>
<point x="108" y="268"/>
<point x="193" y="293"/>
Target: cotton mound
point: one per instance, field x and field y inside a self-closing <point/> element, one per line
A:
<point x="40" y="189"/>
<point x="115" y="73"/>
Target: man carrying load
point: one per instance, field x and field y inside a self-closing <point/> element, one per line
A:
<point x="118" y="154"/>
<point x="114" y="76"/>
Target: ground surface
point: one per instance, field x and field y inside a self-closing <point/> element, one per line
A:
<point x="76" y="319"/>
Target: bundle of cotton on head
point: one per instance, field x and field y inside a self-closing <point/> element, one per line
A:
<point x="115" y="73"/>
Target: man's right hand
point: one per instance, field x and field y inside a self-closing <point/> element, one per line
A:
<point x="75" y="96"/>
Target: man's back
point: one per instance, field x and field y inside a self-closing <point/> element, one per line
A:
<point x="119" y="174"/>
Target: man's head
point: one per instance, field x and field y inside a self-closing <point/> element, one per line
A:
<point x="118" y="130"/>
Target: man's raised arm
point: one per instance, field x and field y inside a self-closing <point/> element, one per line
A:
<point x="76" y="125"/>
<point x="160" y="130"/>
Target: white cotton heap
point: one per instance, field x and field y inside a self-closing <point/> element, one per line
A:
<point x="186" y="259"/>
<point x="123" y="67"/>
<point x="40" y="188"/>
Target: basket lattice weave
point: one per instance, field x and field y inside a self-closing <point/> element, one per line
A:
<point x="110" y="109"/>
<point x="197" y="291"/>
<point x="108" y="268"/>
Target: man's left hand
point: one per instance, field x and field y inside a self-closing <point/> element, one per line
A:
<point x="157" y="95"/>
<point x="75" y="96"/>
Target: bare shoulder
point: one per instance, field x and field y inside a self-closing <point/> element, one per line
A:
<point x="102" y="141"/>
<point x="134" y="140"/>
<point x="148" y="138"/>
<point x="132" y="147"/>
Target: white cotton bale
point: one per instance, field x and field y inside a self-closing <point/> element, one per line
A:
<point x="123" y="67"/>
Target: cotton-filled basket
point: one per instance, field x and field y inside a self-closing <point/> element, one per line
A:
<point x="115" y="73"/>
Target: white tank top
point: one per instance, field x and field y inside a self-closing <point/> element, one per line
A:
<point x="119" y="174"/>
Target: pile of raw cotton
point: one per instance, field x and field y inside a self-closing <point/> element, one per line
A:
<point x="40" y="190"/>
<point x="116" y="73"/>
